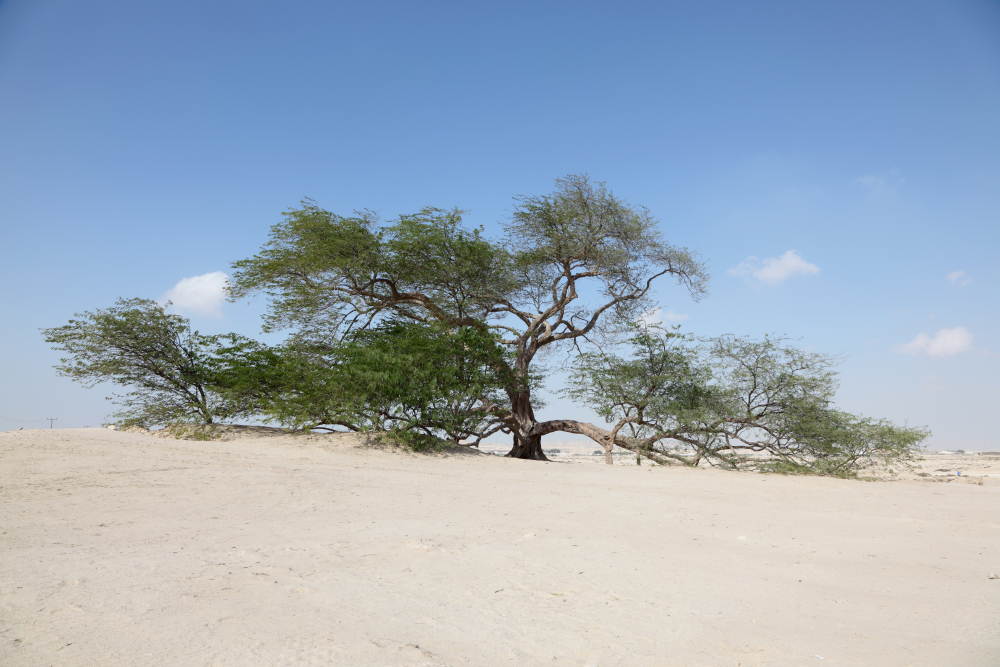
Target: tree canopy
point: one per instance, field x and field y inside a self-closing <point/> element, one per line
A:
<point x="327" y="276"/>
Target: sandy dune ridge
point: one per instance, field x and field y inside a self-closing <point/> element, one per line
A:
<point x="126" y="549"/>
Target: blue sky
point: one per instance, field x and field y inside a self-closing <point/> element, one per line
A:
<point x="142" y="144"/>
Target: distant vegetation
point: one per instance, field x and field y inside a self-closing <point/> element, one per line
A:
<point x="426" y="329"/>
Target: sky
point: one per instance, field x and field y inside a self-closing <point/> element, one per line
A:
<point x="836" y="164"/>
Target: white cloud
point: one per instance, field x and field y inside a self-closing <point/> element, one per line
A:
<point x="945" y="343"/>
<point x="199" y="294"/>
<point x="774" y="270"/>
<point x="657" y="315"/>
<point x="959" y="278"/>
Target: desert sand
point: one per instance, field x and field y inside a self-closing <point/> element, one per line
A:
<point x="127" y="549"/>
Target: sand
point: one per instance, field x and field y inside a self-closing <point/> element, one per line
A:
<point x="125" y="549"/>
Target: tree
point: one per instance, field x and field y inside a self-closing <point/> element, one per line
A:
<point x="328" y="276"/>
<point x="734" y="402"/>
<point x="168" y="367"/>
<point x="426" y="329"/>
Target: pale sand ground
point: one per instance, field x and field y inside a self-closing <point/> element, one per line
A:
<point x="124" y="549"/>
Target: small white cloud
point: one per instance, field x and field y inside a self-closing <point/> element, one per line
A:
<point x="774" y="270"/>
<point x="199" y="294"/>
<point x="945" y="343"/>
<point x="657" y="315"/>
<point x="959" y="278"/>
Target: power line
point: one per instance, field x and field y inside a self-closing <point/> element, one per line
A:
<point x="51" y="419"/>
<point x="7" y="419"/>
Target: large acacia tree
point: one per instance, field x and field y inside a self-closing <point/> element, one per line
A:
<point x="571" y="264"/>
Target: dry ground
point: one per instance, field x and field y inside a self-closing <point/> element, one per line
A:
<point x="123" y="549"/>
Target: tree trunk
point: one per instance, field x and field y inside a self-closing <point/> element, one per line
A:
<point x="607" y="453"/>
<point x="527" y="448"/>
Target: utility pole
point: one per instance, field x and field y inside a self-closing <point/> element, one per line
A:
<point x="52" y="419"/>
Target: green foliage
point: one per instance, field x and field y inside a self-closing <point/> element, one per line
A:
<point x="328" y="275"/>
<point x="428" y="378"/>
<point x="412" y="379"/>
<point x="737" y="403"/>
<point x="421" y="381"/>
<point x="167" y="366"/>
<point x="197" y="432"/>
<point x="661" y="383"/>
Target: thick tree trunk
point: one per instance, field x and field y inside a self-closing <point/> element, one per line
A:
<point x="528" y="448"/>
<point x="526" y="445"/>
